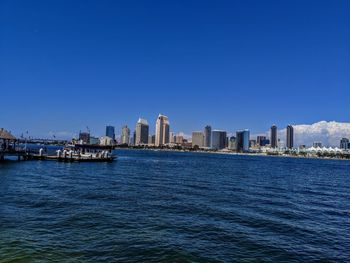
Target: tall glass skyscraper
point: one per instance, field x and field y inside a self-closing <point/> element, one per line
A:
<point x="142" y="130"/>
<point x="110" y="132"/>
<point x="218" y="139"/>
<point x="290" y="137"/>
<point x="242" y="140"/>
<point x="273" y="137"/>
<point x="207" y="136"/>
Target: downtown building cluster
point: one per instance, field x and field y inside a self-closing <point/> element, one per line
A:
<point x="241" y="141"/>
<point x="207" y="139"/>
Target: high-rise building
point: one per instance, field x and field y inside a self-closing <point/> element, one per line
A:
<point x="218" y="139"/>
<point x="242" y="140"/>
<point x="151" y="139"/>
<point x="207" y="136"/>
<point x="125" y="137"/>
<point x="179" y="139"/>
<point x="110" y="132"/>
<point x="197" y="139"/>
<point x="142" y="130"/>
<point x="344" y="143"/>
<point x="290" y="137"/>
<point x="273" y="137"/>
<point x="259" y="139"/>
<point x="232" y="143"/>
<point x="262" y="141"/>
<point x="162" y="130"/>
<point x="133" y="142"/>
<point x="172" y="137"/>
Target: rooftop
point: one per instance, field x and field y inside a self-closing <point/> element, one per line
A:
<point x="6" y="135"/>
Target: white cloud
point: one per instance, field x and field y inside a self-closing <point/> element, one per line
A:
<point x="329" y="133"/>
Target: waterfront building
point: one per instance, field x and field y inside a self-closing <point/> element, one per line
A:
<point x="179" y="139"/>
<point x="344" y="144"/>
<point x="106" y="141"/>
<point x="232" y="143"/>
<point x="84" y="137"/>
<point x="142" y="131"/>
<point x="151" y="139"/>
<point x="94" y="140"/>
<point x="7" y="142"/>
<point x="133" y="142"/>
<point x="197" y="139"/>
<point x="252" y="143"/>
<point x="218" y="139"/>
<point x="260" y="139"/>
<point x="242" y="140"/>
<point x="317" y="144"/>
<point x="172" y="137"/>
<point x="125" y="137"/>
<point x="207" y="136"/>
<point x="162" y="130"/>
<point x="273" y="136"/>
<point x="110" y="132"/>
<point x="290" y="137"/>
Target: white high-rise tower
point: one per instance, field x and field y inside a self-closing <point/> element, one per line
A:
<point x="162" y="130"/>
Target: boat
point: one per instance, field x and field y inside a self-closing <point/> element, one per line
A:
<point x="78" y="153"/>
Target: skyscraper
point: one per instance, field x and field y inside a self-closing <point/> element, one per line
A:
<point x="110" y="132"/>
<point x="151" y="139"/>
<point x="344" y="143"/>
<point x="207" y="136"/>
<point x="172" y="137"/>
<point x="232" y="143"/>
<point x="197" y="139"/>
<point x="125" y="138"/>
<point x="273" y="137"/>
<point x="142" y="130"/>
<point x="290" y="137"/>
<point x="242" y="140"/>
<point x="262" y="141"/>
<point x="162" y="130"/>
<point x="133" y="142"/>
<point x="218" y="139"/>
<point x="179" y="138"/>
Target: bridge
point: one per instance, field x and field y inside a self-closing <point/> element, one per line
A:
<point x="43" y="141"/>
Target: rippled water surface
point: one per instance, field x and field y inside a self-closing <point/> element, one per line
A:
<point x="176" y="207"/>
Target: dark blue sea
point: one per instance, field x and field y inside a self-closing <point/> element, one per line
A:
<point x="176" y="207"/>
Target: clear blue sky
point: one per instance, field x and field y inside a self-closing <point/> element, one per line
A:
<point x="65" y="65"/>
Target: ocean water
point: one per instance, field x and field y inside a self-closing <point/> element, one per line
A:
<point x="176" y="207"/>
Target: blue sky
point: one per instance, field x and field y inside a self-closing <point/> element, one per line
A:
<point x="65" y="65"/>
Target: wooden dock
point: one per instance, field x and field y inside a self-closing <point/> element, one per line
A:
<point x="17" y="154"/>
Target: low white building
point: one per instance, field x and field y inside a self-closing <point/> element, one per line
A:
<point x="106" y="141"/>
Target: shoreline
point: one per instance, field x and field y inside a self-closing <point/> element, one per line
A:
<point x="236" y="153"/>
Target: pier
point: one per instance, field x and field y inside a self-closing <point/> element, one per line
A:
<point x="9" y="147"/>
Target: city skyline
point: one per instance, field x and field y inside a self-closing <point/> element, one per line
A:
<point x="328" y="133"/>
<point x="234" y="61"/>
